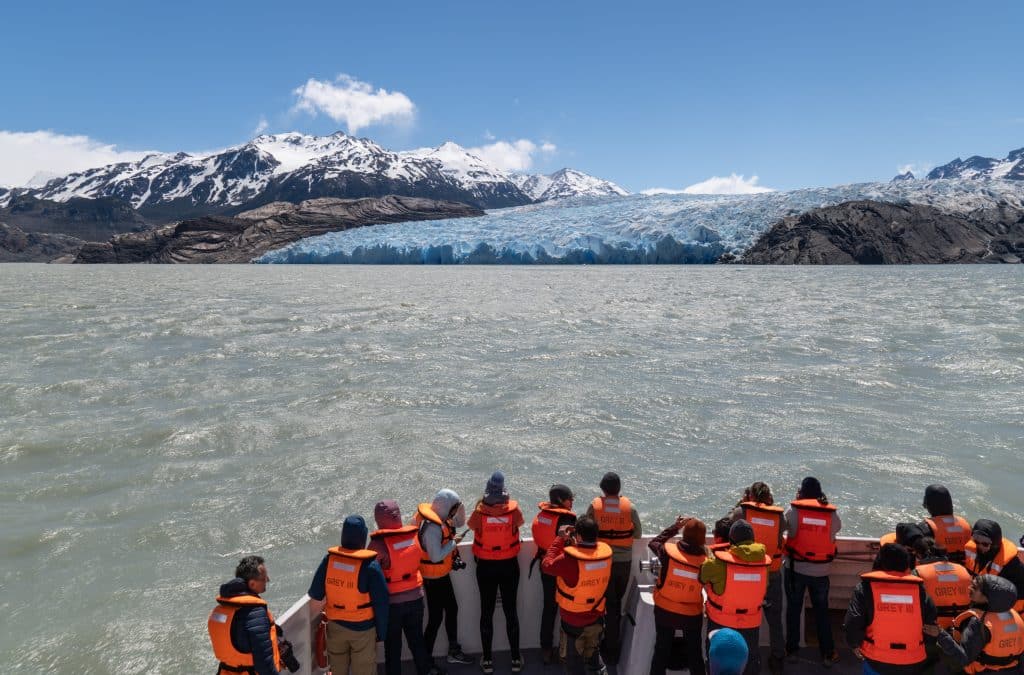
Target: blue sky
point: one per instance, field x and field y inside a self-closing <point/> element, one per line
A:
<point x="662" y="94"/>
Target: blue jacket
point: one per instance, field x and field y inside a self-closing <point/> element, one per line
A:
<point x="371" y="580"/>
<point x="250" y="629"/>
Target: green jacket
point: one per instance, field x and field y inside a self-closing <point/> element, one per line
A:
<point x="712" y="571"/>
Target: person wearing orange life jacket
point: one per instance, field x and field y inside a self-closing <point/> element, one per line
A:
<point x="905" y="534"/>
<point x="495" y="523"/>
<point x="950" y="531"/>
<point x="398" y="550"/>
<point x="736" y="580"/>
<point x="947" y="583"/>
<point x="678" y="600"/>
<point x="618" y="524"/>
<point x="554" y="514"/>
<point x="887" y="615"/>
<point x="242" y="631"/>
<point x="989" y="637"/>
<point x="812" y="524"/>
<point x="758" y="508"/>
<point x="438" y="522"/>
<point x="349" y="587"/>
<point x="582" y="566"/>
<point x="988" y="552"/>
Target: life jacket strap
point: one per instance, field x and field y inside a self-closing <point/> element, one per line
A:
<point x="237" y="669"/>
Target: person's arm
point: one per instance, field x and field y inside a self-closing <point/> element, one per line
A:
<point x="972" y="641"/>
<point x="929" y="614"/>
<point x="590" y="509"/>
<point x="318" y="587"/>
<point x="258" y="627"/>
<point x="736" y="514"/>
<point x="712" y="572"/>
<point x="381" y="549"/>
<point x="1013" y="572"/>
<point x="657" y="545"/>
<point x="432" y="546"/>
<point x="556" y="563"/>
<point x="855" y="622"/>
<point x="837" y="524"/>
<point x="379" y="597"/>
<point x="517" y="518"/>
<point x="638" y="529"/>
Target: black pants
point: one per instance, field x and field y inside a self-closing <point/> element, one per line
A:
<point x="441" y="606"/>
<point x="692" y="637"/>
<point x="617" y="587"/>
<point x="493" y="576"/>
<point x="547" y="617"/>
<point x="405" y="617"/>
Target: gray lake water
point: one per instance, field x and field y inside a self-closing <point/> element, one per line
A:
<point x="157" y="423"/>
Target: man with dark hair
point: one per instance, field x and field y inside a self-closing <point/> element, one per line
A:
<point x="553" y="515"/>
<point x="888" y="611"/>
<point x="950" y="531"/>
<point x="582" y="566"/>
<point x="241" y="627"/>
<point x="618" y="526"/>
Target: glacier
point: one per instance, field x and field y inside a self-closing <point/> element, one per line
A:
<point x="636" y="229"/>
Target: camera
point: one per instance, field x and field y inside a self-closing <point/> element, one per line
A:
<point x="653" y="566"/>
<point x="288" y="655"/>
<point x="457" y="562"/>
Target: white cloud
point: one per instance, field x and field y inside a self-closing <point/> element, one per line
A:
<point x="261" y="126"/>
<point x="717" y="185"/>
<point x="919" y="169"/>
<point x="25" y="155"/>
<point x="354" y="103"/>
<point x="512" y="155"/>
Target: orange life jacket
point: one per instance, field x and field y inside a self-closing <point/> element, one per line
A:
<point x="813" y="541"/>
<point x="887" y="538"/>
<point x="949" y="587"/>
<point x="595" y="570"/>
<point x="951" y="533"/>
<point x="344" y="602"/>
<point x="767" y="523"/>
<point x="545" y="525"/>
<point x="404" y="550"/>
<point x="1007" y="552"/>
<point x="614" y="516"/>
<point x="1006" y="640"/>
<point x="894" y="636"/>
<point x="498" y="538"/>
<point x="739" y="605"/>
<point x="219" y="627"/>
<point x="429" y="568"/>
<point x="678" y="588"/>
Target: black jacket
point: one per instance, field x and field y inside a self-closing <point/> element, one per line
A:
<point x="974" y="636"/>
<point x="250" y="630"/>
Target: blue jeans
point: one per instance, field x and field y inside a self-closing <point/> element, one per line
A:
<point x="796" y="585"/>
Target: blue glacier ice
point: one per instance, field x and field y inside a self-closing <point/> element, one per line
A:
<point x="638" y="229"/>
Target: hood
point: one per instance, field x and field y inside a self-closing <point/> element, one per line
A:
<point x="236" y="586"/>
<point x="990" y="529"/>
<point x="1001" y="593"/>
<point x="353" y="533"/>
<point x="938" y="501"/>
<point x="387" y="515"/>
<point x="908" y="533"/>
<point x="442" y="505"/>
<point x="749" y="552"/>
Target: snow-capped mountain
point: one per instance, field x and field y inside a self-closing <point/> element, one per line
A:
<point x="906" y="175"/>
<point x="566" y="183"/>
<point x="294" y="167"/>
<point x="974" y="168"/>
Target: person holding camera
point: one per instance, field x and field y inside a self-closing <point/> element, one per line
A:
<point x="438" y="522"/>
<point x="242" y="629"/>
<point x="554" y="514"/>
<point x="582" y="566"/>
<point x="349" y="587"/>
<point x="678" y="597"/>
<point x="495" y="523"/>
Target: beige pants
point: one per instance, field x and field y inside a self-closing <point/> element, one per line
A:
<point x="351" y="648"/>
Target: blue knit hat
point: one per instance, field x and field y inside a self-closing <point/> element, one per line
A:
<point x="727" y="652"/>
<point x="496" y="484"/>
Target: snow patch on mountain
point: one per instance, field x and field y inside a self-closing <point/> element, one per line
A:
<point x="566" y="183"/>
<point x="635" y="229"/>
<point x="983" y="168"/>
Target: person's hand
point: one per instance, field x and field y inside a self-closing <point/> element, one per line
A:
<point x="931" y="630"/>
<point x="566" y="532"/>
<point x="680" y="521"/>
<point x="858" y="653"/>
<point x="458" y="538"/>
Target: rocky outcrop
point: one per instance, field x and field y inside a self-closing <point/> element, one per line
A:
<point x="876" y="233"/>
<point x="16" y="245"/>
<point x="239" y="239"/>
<point x="79" y="217"/>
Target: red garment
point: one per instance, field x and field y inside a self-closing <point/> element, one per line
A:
<point x="558" y="564"/>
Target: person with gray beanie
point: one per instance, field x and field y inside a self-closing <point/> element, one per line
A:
<point x="812" y="524"/>
<point x="618" y="526"/>
<point x="495" y="523"/>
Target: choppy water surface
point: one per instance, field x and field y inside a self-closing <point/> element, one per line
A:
<point x="157" y="423"/>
